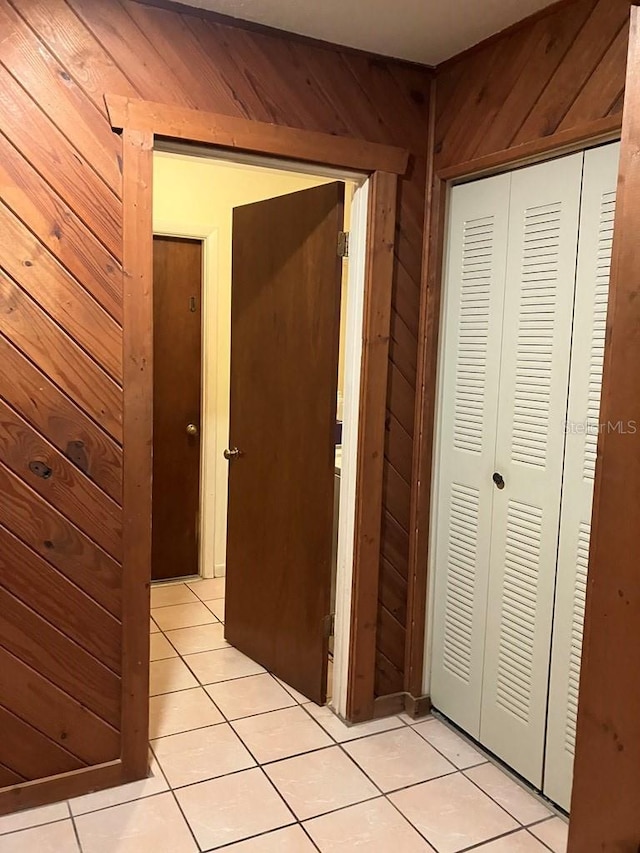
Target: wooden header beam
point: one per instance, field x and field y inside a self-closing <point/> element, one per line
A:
<point x="176" y="122"/>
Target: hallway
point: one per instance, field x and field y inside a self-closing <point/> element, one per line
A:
<point x="244" y="763"/>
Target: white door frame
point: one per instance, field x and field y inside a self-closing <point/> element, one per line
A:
<point x="211" y="302"/>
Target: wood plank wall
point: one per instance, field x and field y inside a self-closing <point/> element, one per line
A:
<point x="559" y="74"/>
<point x="61" y="335"/>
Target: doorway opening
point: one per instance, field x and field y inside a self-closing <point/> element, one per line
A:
<point x="257" y="374"/>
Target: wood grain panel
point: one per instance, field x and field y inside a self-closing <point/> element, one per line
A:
<point x="59" y="482"/>
<point x="49" y="652"/>
<point x="58" y="600"/>
<point x="398" y="447"/>
<point x="42" y="527"/>
<point x="51" y="86"/>
<point x="64" y="424"/>
<point x="9" y="777"/>
<point x="111" y="24"/>
<point x="56" y="227"/>
<point x="26" y="693"/>
<point x="31" y="132"/>
<point x="548" y="87"/>
<point x="393" y="591"/>
<point x="579" y="63"/>
<point x="37" y="272"/>
<point x="72" y="43"/>
<point x="31" y="754"/>
<point x="41" y="340"/>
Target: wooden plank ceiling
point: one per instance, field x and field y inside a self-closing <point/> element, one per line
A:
<point x="61" y="334"/>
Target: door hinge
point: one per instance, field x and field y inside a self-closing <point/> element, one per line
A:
<point x="330" y="625"/>
<point x="343" y="244"/>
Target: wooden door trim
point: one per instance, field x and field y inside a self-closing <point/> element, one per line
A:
<point x="371" y="439"/>
<point x="176" y="122"/>
<point x="604" y="806"/>
<point x="137" y="329"/>
<point x="328" y="151"/>
<point x="438" y="184"/>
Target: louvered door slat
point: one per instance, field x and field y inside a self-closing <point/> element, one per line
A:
<point x="543" y="226"/>
<point x="469" y="375"/>
<point x="594" y="259"/>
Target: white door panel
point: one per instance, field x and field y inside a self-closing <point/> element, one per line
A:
<point x="543" y="231"/>
<point x="468" y="382"/>
<point x="594" y="260"/>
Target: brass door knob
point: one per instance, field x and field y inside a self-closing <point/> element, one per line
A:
<point x="192" y="429"/>
<point x="231" y="453"/>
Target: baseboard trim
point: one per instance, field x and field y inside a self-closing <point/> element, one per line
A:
<point x="417" y="706"/>
<point x="397" y="703"/>
<point x="387" y="706"/>
<point x="62" y="787"/>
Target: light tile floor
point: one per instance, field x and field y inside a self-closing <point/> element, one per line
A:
<point x="243" y="763"/>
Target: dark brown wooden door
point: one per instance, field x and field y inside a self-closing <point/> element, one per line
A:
<point x="285" y="308"/>
<point x="177" y="353"/>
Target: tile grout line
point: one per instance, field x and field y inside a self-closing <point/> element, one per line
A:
<point x="382" y="794"/>
<point x="75" y="828"/>
<point x="341" y="745"/>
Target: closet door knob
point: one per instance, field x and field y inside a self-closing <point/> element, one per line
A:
<point x="498" y="479"/>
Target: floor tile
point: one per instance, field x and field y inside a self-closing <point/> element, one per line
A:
<point x="243" y="697"/>
<point x="208" y="589"/>
<point x="161" y="648"/>
<point x="281" y="734"/>
<point x="153" y="628"/>
<point x="182" y="616"/>
<point x="452" y="813"/>
<point x="217" y="608"/>
<point x="179" y="712"/>
<point x="201" y="754"/>
<point x="554" y="833"/>
<point x="449" y="743"/>
<point x="154" y="784"/>
<point x="508" y="793"/>
<point x="292" y="839"/>
<point x="518" y="842"/>
<point x="33" y="817"/>
<point x="232" y="808"/>
<point x="374" y="827"/>
<point x="319" y="782"/>
<point x="221" y="665"/>
<point x="398" y="758"/>
<point x="342" y="732"/>
<point x="51" y="838"/>
<point x="167" y="676"/>
<point x="175" y="593"/>
<point x="154" y="824"/>
<point x="295" y="693"/>
<point x="201" y="638"/>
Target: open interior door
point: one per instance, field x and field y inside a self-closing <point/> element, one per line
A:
<point x="285" y="322"/>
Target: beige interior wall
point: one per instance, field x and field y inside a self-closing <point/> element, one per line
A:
<point x="195" y="196"/>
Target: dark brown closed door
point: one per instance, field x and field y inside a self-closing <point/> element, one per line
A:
<point x="285" y="310"/>
<point x="177" y="353"/>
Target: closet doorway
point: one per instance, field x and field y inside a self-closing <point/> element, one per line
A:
<point x="522" y="345"/>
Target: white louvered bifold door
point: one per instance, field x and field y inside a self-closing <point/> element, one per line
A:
<point x="592" y="288"/>
<point x="541" y="266"/>
<point x="468" y="383"/>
